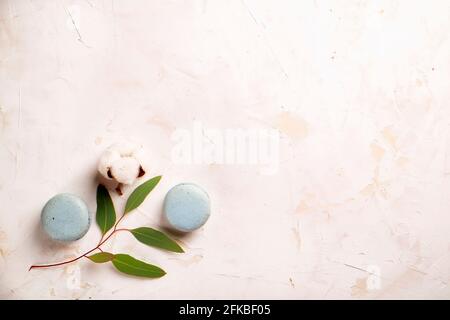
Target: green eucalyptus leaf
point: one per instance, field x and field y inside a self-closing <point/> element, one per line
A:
<point x="139" y="194"/>
<point x="155" y="238"/>
<point x="129" y="265"/>
<point x="106" y="215"/>
<point x="101" y="257"/>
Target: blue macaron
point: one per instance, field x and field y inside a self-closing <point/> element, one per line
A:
<point x="65" y="217"/>
<point x="187" y="207"/>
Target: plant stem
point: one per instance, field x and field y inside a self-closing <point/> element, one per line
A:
<point x="114" y="230"/>
<point x="83" y="255"/>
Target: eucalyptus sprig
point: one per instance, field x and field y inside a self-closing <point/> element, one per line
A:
<point x="106" y="220"/>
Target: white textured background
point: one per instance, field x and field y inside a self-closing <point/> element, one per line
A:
<point x="359" y="91"/>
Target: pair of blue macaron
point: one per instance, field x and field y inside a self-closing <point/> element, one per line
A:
<point x="65" y="217"/>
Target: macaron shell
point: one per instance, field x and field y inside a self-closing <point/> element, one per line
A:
<point x="65" y="217"/>
<point x="187" y="207"/>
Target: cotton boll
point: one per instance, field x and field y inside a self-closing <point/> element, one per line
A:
<point x="106" y="161"/>
<point x="121" y="164"/>
<point x="125" y="170"/>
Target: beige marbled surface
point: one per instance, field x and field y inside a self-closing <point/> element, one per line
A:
<point x="358" y="90"/>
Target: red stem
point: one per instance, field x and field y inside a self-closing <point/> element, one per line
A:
<point x="83" y="255"/>
<point x="114" y="230"/>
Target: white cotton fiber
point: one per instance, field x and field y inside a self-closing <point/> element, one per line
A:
<point x="121" y="163"/>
